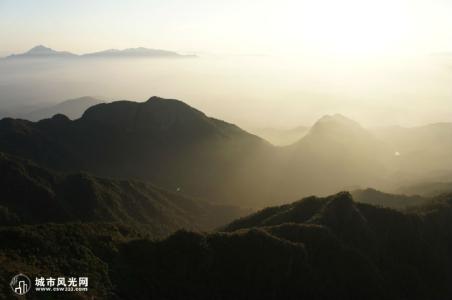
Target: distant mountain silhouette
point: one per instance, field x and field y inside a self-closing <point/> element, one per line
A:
<point x="423" y="151"/>
<point x="134" y="52"/>
<point x="282" y="137"/>
<point x="34" y="195"/>
<point x="42" y="52"/>
<point x="39" y="52"/>
<point x="427" y="188"/>
<point x="72" y="108"/>
<point x="339" y="130"/>
<point x="336" y="153"/>
<point x="377" y="198"/>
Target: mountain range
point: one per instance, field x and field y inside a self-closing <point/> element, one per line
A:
<point x="137" y="197"/>
<point x="178" y="147"/>
<point x="72" y="108"/>
<point x="314" y="248"/>
<point x="161" y="140"/>
<point x="35" y="195"/>
<point x="41" y="52"/>
<point x="421" y="150"/>
<point x="400" y="202"/>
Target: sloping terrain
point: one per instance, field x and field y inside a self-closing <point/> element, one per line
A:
<point x="34" y="195"/>
<point x="395" y="201"/>
<point x="72" y="108"/>
<point x="164" y="141"/>
<point x="179" y="148"/>
<point x="315" y="248"/>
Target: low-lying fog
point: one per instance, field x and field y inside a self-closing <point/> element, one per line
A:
<point x="252" y="91"/>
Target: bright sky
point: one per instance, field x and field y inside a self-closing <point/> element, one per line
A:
<point x="271" y="27"/>
<point x="262" y="62"/>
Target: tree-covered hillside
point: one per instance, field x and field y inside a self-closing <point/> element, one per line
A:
<point x="34" y="195"/>
<point x="315" y="248"/>
<point x="163" y="141"/>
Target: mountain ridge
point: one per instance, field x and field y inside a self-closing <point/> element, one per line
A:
<point x="81" y="197"/>
<point x="72" y="108"/>
<point x="158" y="140"/>
<point x="177" y="146"/>
<point x="41" y="51"/>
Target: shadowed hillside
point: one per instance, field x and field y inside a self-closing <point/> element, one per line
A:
<point x="33" y="195"/>
<point x="315" y="248"/>
<point x="409" y="254"/>
<point x="303" y="152"/>
<point x="179" y="148"/>
<point x="51" y="249"/>
<point x="161" y="140"/>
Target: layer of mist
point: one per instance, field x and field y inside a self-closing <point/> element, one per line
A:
<point x="252" y="91"/>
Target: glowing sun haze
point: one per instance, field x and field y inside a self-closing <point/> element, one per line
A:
<point x="234" y="26"/>
<point x="262" y="63"/>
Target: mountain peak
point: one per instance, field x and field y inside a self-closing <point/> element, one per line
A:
<point x="40" y="49"/>
<point x="338" y="119"/>
<point x="341" y="200"/>
<point x="155" y="113"/>
<point x="336" y="123"/>
<point x="139" y="52"/>
<point x="155" y="98"/>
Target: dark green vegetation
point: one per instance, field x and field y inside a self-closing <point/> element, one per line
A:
<point x="163" y="141"/>
<point x="57" y="219"/>
<point x="72" y="224"/>
<point x="177" y="147"/>
<point x="33" y="195"/>
<point x="51" y="250"/>
<point x="315" y="248"/>
<point x="358" y="251"/>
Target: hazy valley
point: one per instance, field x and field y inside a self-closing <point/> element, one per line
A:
<point x="209" y="172"/>
<point x="226" y="150"/>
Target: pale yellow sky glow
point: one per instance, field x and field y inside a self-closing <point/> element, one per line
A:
<point x="351" y="27"/>
<point x="330" y="27"/>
